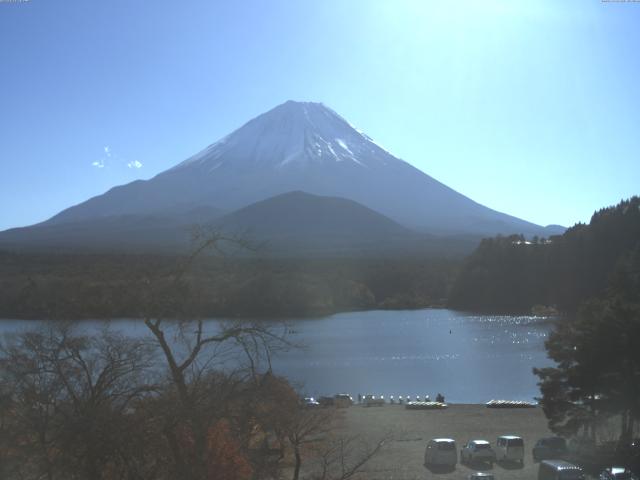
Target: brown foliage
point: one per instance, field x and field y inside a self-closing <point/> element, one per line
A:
<point x="225" y="459"/>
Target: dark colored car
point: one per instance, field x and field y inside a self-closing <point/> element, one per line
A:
<point x="326" y="401"/>
<point x="550" y="447"/>
<point x="617" y="473"/>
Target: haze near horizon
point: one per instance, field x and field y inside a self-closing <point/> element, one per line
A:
<point x="529" y="109"/>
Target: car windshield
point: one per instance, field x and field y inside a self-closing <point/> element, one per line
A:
<point x="446" y="446"/>
<point x="515" y="442"/>
<point x="556" y="442"/>
<point x="482" y="446"/>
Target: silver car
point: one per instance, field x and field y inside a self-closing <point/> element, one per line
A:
<point x="477" y="451"/>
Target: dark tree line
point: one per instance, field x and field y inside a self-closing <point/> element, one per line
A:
<point x="111" y="286"/>
<point x="597" y="352"/>
<point x="514" y="274"/>
<point x="191" y="400"/>
<point x="591" y="275"/>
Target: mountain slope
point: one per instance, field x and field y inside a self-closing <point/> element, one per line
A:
<point x="159" y="231"/>
<point x="126" y="232"/>
<point x="303" y="214"/>
<point x="291" y="224"/>
<point x="298" y="221"/>
<point x="307" y="147"/>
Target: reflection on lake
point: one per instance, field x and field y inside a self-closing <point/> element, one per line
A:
<point x="467" y="357"/>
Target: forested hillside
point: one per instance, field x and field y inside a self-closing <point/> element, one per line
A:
<point x="511" y="274"/>
<point x="116" y="286"/>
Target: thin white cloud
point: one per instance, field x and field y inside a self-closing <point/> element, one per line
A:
<point x="110" y="159"/>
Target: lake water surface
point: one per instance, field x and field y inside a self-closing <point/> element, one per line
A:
<point x="467" y="357"/>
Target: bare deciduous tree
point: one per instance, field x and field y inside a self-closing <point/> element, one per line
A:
<point x="342" y="458"/>
<point x="101" y="407"/>
<point x="191" y="347"/>
<point x="71" y="399"/>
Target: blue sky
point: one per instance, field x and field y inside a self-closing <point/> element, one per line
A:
<point x="531" y="108"/>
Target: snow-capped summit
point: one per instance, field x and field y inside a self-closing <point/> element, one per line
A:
<point x="302" y="146"/>
<point x="290" y="134"/>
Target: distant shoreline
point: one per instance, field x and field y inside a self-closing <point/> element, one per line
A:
<point x="293" y="316"/>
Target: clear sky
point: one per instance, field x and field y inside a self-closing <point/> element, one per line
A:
<point x="531" y="108"/>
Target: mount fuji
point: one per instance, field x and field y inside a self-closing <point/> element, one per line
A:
<point x="296" y="146"/>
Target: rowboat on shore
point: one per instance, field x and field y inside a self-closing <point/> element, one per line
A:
<point x="509" y="404"/>
<point x="425" y="405"/>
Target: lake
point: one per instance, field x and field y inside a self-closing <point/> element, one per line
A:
<point x="467" y="357"/>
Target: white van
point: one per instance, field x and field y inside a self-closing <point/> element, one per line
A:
<point x="441" y="452"/>
<point x="510" y="448"/>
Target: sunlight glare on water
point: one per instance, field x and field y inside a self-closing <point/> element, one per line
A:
<point x="467" y="357"/>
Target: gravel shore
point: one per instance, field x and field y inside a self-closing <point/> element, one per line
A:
<point x="402" y="458"/>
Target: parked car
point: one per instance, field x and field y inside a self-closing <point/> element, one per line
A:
<point x="477" y="451"/>
<point x="441" y="452"/>
<point x="550" y="448"/>
<point x="481" y="476"/>
<point x="310" y="402"/>
<point x="581" y="446"/>
<point x="559" y="470"/>
<point x="326" y="401"/>
<point x="343" y="400"/>
<point x="617" y="473"/>
<point x="373" y="401"/>
<point x="510" y="448"/>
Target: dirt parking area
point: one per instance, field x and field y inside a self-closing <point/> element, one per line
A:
<point x="402" y="458"/>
